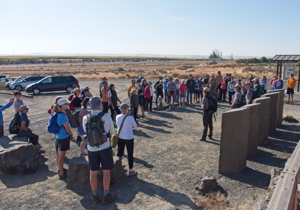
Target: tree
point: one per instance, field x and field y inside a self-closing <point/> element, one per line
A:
<point x="216" y="54"/>
<point x="231" y="56"/>
<point x="264" y="59"/>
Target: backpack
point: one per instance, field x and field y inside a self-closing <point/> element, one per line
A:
<point x="213" y="105"/>
<point x="74" y="119"/>
<point x="14" y="124"/>
<point x="52" y="125"/>
<point x="95" y="132"/>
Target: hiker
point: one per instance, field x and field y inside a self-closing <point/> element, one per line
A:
<point x="249" y="92"/>
<point x="83" y="111"/>
<point x="142" y="101"/>
<point x="24" y="131"/>
<point x="219" y="79"/>
<point x="113" y="101"/>
<point x="2" y="108"/>
<point x="64" y="136"/>
<point x="104" y="92"/>
<point x="182" y="92"/>
<point x="18" y="101"/>
<point x="290" y="88"/>
<point x="159" y="92"/>
<point x="103" y="79"/>
<point x="278" y="83"/>
<point x="212" y="84"/>
<point x="207" y="116"/>
<point x="134" y="103"/>
<point x="223" y="89"/>
<point x="155" y="85"/>
<point x="190" y="83"/>
<point x="230" y="89"/>
<point x="139" y="80"/>
<point x="50" y="110"/>
<point x="126" y="137"/>
<point x="76" y="105"/>
<point x="196" y="89"/>
<point x="148" y="95"/>
<point x="201" y="85"/>
<point x="133" y="85"/>
<point x="177" y="90"/>
<point x="250" y="78"/>
<point x="237" y="98"/>
<point x="75" y="86"/>
<point x="100" y="154"/>
<point x="85" y="93"/>
<point x="239" y="82"/>
<point x="205" y="80"/>
<point x="165" y="89"/>
<point x="272" y="82"/>
<point x="263" y="83"/>
<point x="171" y="87"/>
<point x="257" y="89"/>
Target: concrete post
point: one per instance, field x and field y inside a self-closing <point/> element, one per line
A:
<point x="273" y="112"/>
<point x="280" y="105"/>
<point x="234" y="140"/>
<point x="254" y="120"/>
<point x="263" y="131"/>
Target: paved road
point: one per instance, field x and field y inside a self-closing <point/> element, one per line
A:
<point x="108" y="63"/>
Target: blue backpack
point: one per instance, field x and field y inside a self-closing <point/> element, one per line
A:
<point x="52" y="124"/>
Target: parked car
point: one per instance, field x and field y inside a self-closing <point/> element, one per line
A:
<point x="16" y="80"/>
<point x="3" y="81"/>
<point x="4" y="76"/>
<point x="25" y="82"/>
<point x="53" y="83"/>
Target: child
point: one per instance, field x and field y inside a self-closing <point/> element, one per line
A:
<point x="2" y="108"/>
<point x="182" y="93"/>
<point x="134" y="101"/>
<point x="159" y="92"/>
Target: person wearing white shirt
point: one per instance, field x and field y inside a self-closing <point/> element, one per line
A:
<point x="102" y="154"/>
<point x="126" y="137"/>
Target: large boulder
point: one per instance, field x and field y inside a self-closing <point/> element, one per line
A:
<point x="79" y="172"/>
<point x="206" y="185"/>
<point x="17" y="155"/>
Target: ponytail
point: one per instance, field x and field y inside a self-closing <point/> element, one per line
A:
<point x="56" y="108"/>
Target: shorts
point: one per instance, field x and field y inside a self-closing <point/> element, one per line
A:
<point x="182" y="95"/>
<point x="171" y="94"/>
<point x="1" y="131"/>
<point x="105" y="157"/>
<point x="80" y="130"/>
<point x="64" y="144"/>
<point x="141" y="101"/>
<point x="196" y="91"/>
<point x="290" y="91"/>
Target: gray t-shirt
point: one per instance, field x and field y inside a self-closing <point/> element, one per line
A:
<point x="249" y="94"/>
<point x="19" y="102"/>
<point x="205" y="102"/>
<point x="238" y="97"/>
<point x="171" y="86"/>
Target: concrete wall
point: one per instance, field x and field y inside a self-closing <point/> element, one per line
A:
<point x="280" y="104"/>
<point x="234" y="140"/>
<point x="263" y="131"/>
<point x="273" y="112"/>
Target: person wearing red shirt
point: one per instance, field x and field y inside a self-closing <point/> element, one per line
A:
<point x="223" y="89"/>
<point x="182" y="93"/>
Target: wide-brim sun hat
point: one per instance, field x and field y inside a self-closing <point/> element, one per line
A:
<point x="133" y="89"/>
<point x="63" y="101"/>
<point x="238" y="86"/>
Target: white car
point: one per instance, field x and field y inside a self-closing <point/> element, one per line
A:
<point x="16" y="80"/>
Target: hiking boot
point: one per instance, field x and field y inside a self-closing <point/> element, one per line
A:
<point x="143" y="115"/>
<point x="63" y="177"/>
<point x="210" y="137"/>
<point x="291" y="102"/>
<point x="202" y="139"/>
<point x="287" y="102"/>
<point x="138" y="116"/>
<point x="108" y="198"/>
<point x="83" y="155"/>
<point x="95" y="199"/>
<point x="78" y="138"/>
<point x="65" y="171"/>
<point x="132" y="173"/>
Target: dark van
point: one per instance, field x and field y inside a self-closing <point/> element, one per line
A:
<point x="53" y="83"/>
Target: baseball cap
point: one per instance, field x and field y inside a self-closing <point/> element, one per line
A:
<point x="94" y="103"/>
<point x="149" y="82"/>
<point x="123" y="107"/>
<point x="22" y="107"/>
<point x="62" y="102"/>
<point x="133" y="80"/>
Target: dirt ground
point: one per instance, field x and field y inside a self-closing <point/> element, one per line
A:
<point x="168" y="157"/>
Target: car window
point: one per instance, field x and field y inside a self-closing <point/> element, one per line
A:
<point x="47" y="80"/>
<point x="3" y="80"/>
<point x="58" y="79"/>
<point x="69" y="79"/>
<point x="28" y="79"/>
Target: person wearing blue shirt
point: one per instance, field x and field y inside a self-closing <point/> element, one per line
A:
<point x="165" y="89"/>
<point x="2" y="108"/>
<point x="278" y="83"/>
<point x="64" y="136"/>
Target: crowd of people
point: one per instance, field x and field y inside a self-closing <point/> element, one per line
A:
<point x="92" y="115"/>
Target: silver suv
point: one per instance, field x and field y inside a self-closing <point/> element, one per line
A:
<point x="25" y="82"/>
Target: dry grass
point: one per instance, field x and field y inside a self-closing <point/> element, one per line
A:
<point x="213" y="200"/>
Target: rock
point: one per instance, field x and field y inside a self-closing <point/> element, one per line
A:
<point x="290" y="119"/>
<point x="17" y="155"/>
<point x="206" y="185"/>
<point x="79" y="172"/>
<point x="261" y="203"/>
<point x="181" y="207"/>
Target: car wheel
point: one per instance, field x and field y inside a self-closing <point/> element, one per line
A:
<point x="69" y="89"/>
<point x="36" y="91"/>
<point x="18" y="87"/>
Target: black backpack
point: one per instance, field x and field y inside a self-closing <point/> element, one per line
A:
<point x="74" y="119"/>
<point x="14" y="124"/>
<point x="213" y="105"/>
<point x="95" y="132"/>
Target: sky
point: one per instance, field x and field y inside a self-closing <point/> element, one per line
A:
<point x="132" y="27"/>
